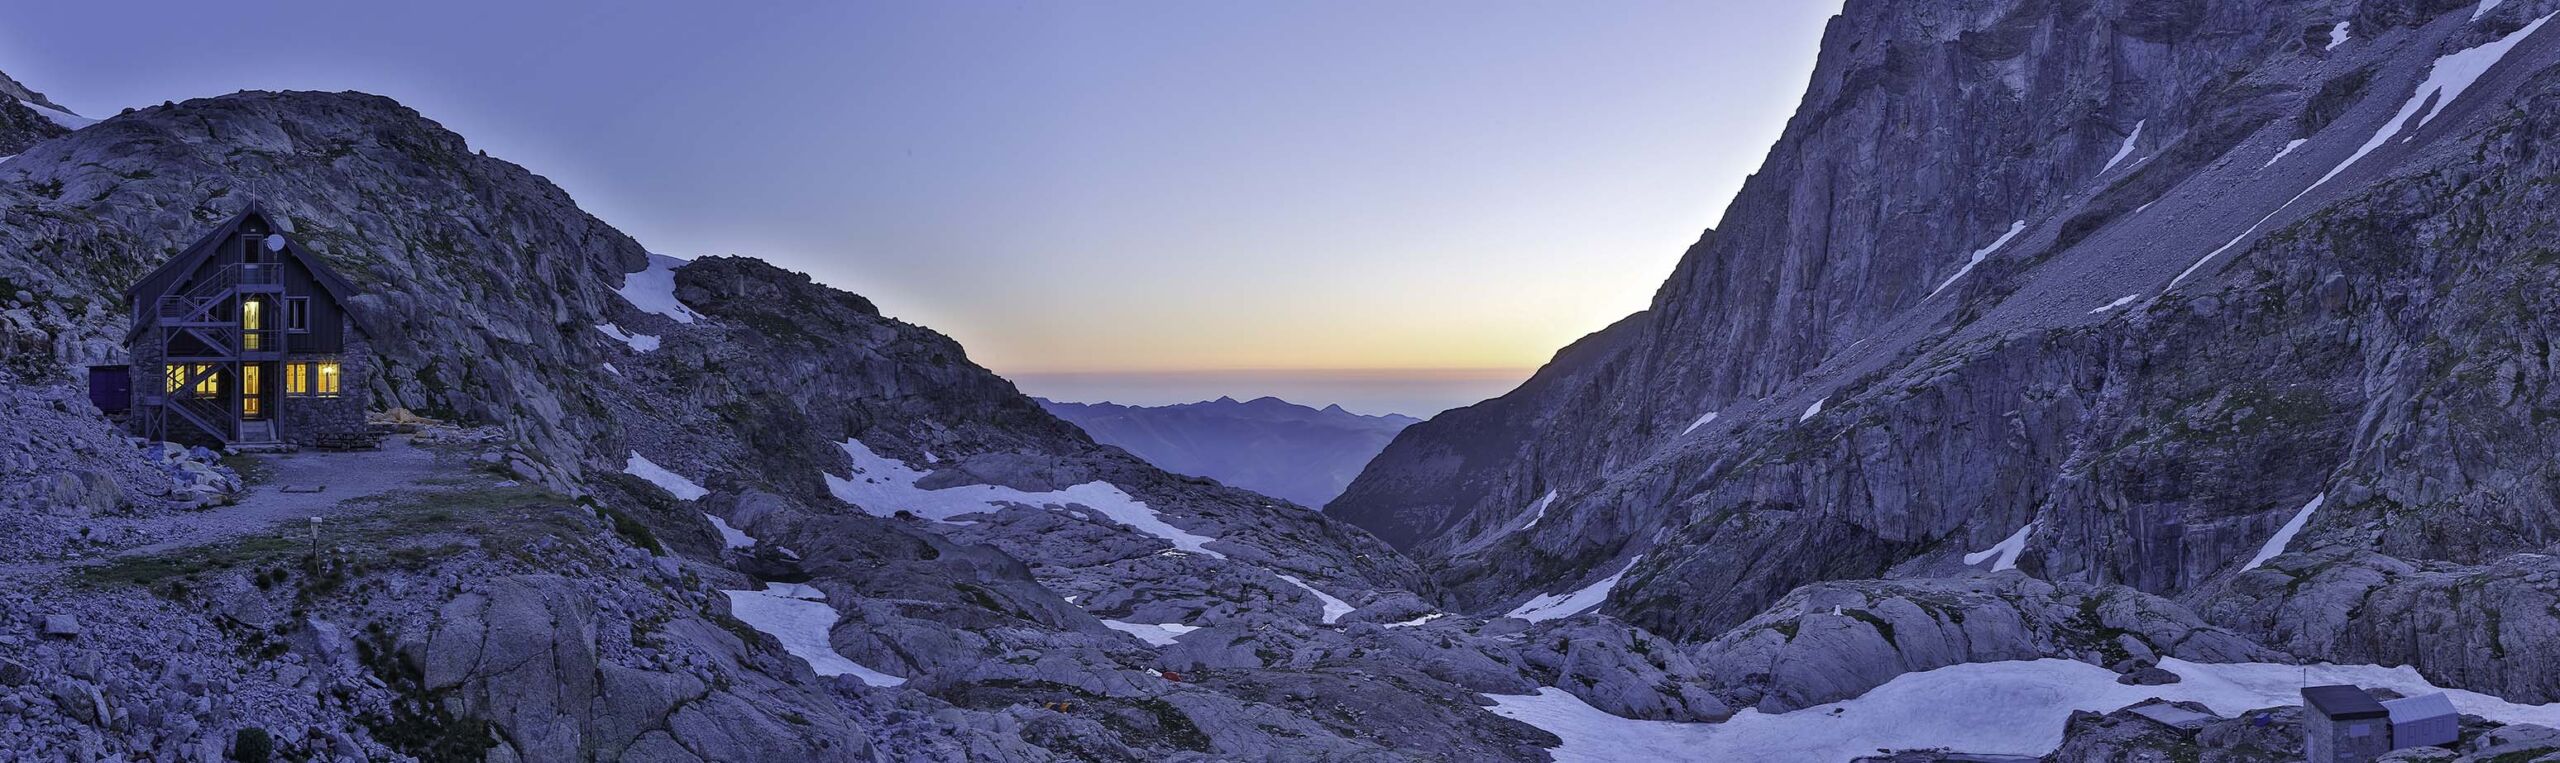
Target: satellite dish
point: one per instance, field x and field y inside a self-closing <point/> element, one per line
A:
<point x="275" y="242"/>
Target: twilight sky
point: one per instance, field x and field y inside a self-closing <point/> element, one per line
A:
<point x="1151" y="202"/>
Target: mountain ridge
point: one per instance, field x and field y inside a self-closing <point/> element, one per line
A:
<point x="1266" y="444"/>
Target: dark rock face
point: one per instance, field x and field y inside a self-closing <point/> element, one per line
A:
<point x="1266" y="445"/>
<point x="2180" y="328"/>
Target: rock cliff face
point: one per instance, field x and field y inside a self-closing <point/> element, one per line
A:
<point x="1266" y="445"/>
<point x="2124" y="284"/>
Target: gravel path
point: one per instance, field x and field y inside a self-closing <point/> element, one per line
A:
<point x="342" y="476"/>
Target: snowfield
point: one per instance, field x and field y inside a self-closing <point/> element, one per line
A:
<point x="2120" y="302"/>
<point x="1550" y="606"/>
<point x="2006" y="550"/>
<point x="1152" y="633"/>
<point x="1334" y="608"/>
<point x="2127" y="150"/>
<point x="1538" y="511"/>
<point x="67" y="120"/>
<point x="2284" y="535"/>
<point x="638" y="342"/>
<point x="730" y="537"/>
<point x="1983" y="253"/>
<point x="885" y="486"/>
<point x="2288" y="149"/>
<point x="799" y="617"/>
<point x="653" y="289"/>
<point x="1991" y="708"/>
<point x="675" y="484"/>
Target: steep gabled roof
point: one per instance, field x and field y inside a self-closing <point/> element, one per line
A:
<point x="189" y="259"/>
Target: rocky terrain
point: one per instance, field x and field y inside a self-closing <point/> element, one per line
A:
<point x="2098" y="351"/>
<point x="2240" y="305"/>
<point x="653" y="509"/>
<point x="1266" y="445"/>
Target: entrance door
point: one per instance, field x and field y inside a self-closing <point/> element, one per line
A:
<point x="253" y="392"/>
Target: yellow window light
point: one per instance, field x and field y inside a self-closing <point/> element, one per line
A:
<point x="250" y="323"/>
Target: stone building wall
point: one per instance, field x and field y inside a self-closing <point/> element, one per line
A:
<point x="334" y="421"/>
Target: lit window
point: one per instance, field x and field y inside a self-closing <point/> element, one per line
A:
<point x="297" y="378"/>
<point x="208" y="386"/>
<point x="250" y="324"/>
<point x="328" y="381"/>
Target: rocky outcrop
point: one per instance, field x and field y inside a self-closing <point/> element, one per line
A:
<point x="523" y="654"/>
<point x="2488" y="627"/>
<point x="1833" y="641"/>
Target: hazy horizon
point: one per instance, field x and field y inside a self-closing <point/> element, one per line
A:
<point x="1419" y="393"/>
<point x="1083" y="195"/>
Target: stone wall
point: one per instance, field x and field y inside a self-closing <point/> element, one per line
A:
<point x="313" y="420"/>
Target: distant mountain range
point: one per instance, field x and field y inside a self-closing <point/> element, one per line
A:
<point x="1267" y="445"/>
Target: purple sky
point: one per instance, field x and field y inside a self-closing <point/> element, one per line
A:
<point x="1086" y="190"/>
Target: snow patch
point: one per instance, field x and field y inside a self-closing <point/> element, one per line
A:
<point x="2120" y="302"/>
<point x="1417" y="621"/>
<point x="2127" y="149"/>
<point x="615" y="371"/>
<point x="675" y="484"/>
<point x="1334" y="608"/>
<point x="1993" y="708"/>
<point x="883" y="486"/>
<point x="1812" y="410"/>
<point x="2338" y="34"/>
<point x="1538" y="511"/>
<point x="800" y="620"/>
<point x="730" y="537"/>
<point x="2484" y="8"/>
<point x="1550" y="606"/>
<point x="1159" y="635"/>
<point x="2288" y="148"/>
<point x="66" y="119"/>
<point x="1702" y="421"/>
<point x="1979" y="254"/>
<point x="638" y="342"/>
<point x="653" y="289"/>
<point x="2284" y="535"/>
<point x="2006" y="550"/>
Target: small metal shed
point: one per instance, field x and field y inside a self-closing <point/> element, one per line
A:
<point x="2344" y="725"/>
<point x="2424" y="720"/>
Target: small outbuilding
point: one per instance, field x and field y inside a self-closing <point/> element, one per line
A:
<point x="2343" y="724"/>
<point x="2425" y="720"/>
